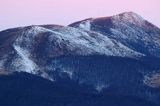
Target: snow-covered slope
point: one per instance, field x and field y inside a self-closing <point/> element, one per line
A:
<point x="24" y="49"/>
<point x="67" y="40"/>
<point x="128" y="28"/>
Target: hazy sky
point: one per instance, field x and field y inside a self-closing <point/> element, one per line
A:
<point x="15" y="13"/>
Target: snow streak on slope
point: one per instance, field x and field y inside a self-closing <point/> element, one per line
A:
<point x="26" y="63"/>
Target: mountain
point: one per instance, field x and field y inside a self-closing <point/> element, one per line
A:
<point x="105" y="58"/>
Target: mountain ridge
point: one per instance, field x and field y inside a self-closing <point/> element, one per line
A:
<point x="133" y="32"/>
<point x="130" y="15"/>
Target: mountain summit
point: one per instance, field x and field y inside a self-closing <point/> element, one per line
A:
<point x="129" y="17"/>
<point x="129" y="29"/>
<point x="126" y="17"/>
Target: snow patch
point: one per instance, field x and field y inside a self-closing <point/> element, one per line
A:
<point x="86" y="25"/>
<point x="2" y="62"/>
<point x="100" y="87"/>
<point x="152" y="80"/>
<point x="36" y="29"/>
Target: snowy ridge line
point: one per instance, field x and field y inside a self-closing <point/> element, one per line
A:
<point x="71" y="34"/>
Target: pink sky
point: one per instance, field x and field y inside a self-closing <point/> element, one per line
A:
<point x="14" y="13"/>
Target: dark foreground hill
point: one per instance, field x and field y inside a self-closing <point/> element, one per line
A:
<point x="22" y="89"/>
